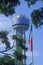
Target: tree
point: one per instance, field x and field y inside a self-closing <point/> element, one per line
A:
<point x="7" y="7"/>
<point x="36" y="15"/>
<point x="6" y="60"/>
<point x="17" y="55"/>
<point x="4" y="38"/>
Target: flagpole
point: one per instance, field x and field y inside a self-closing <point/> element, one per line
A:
<point x="32" y="49"/>
<point x="31" y="44"/>
<point x="32" y="56"/>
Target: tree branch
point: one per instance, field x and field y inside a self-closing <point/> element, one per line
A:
<point x="7" y="49"/>
<point x="7" y="54"/>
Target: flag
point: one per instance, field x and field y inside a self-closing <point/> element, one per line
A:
<point x="30" y="38"/>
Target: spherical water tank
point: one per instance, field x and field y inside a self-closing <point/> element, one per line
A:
<point x="20" y="22"/>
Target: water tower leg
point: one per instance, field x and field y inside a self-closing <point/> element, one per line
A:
<point x="24" y="53"/>
<point x="20" y="35"/>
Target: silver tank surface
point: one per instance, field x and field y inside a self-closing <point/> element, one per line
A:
<point x="20" y="22"/>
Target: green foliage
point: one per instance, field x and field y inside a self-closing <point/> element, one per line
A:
<point x="41" y="12"/>
<point x="23" y="47"/>
<point x="19" y="47"/>
<point x="31" y="2"/>
<point x="4" y="38"/>
<point x="37" y="17"/>
<point x="15" y="37"/>
<point x="6" y="60"/>
<point x="8" y="6"/>
<point x="20" y="40"/>
<point x="19" y="55"/>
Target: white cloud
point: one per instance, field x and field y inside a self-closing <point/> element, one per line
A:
<point x="5" y="25"/>
<point x="2" y="47"/>
<point x="5" y="22"/>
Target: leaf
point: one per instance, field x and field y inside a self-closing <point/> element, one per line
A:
<point x="37" y="16"/>
<point x="4" y="38"/>
<point x="15" y="37"/>
<point x="18" y="55"/>
<point x="8" y="6"/>
<point x="31" y="2"/>
<point x="23" y="46"/>
<point x="6" y="60"/>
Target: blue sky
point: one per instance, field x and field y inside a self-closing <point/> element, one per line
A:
<point x="6" y="23"/>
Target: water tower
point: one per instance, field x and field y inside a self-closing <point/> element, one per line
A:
<point x="20" y="24"/>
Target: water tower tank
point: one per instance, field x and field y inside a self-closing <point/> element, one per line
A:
<point x="20" y="22"/>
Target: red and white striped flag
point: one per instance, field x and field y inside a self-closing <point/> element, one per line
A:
<point x="30" y="38"/>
